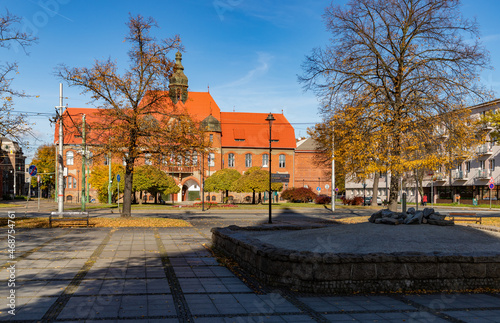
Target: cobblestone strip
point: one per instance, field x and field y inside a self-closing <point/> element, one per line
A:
<point x="64" y="298"/>
<point x="303" y="307"/>
<point x="181" y="306"/>
<point x="32" y="251"/>
<point x="423" y="308"/>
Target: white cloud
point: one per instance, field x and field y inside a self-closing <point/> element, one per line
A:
<point x="263" y="64"/>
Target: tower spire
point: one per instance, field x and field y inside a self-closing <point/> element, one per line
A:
<point x="178" y="87"/>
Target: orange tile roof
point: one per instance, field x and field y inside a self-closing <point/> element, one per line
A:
<point x="72" y="121"/>
<point x="251" y="129"/>
<point x="255" y="130"/>
<point x="200" y="105"/>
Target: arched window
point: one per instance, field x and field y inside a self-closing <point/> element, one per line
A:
<point x="265" y="160"/>
<point x="195" y="158"/>
<point x="147" y="159"/>
<point x="71" y="182"/>
<point x="248" y="160"/>
<point x="70" y="157"/>
<point x="282" y="161"/>
<point x="230" y="160"/>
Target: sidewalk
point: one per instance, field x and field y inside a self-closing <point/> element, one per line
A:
<point x="167" y="275"/>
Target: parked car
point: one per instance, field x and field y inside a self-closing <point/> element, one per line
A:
<point x="368" y="200"/>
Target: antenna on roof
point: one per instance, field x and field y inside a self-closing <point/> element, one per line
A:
<point x="208" y="86"/>
<point x="281" y="111"/>
<point x="233" y="108"/>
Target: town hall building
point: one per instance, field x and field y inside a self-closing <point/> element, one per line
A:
<point x="239" y="140"/>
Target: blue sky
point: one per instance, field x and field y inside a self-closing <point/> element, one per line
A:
<point x="248" y="52"/>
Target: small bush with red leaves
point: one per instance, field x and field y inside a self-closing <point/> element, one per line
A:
<point x="298" y="195"/>
<point x="323" y="199"/>
<point x="358" y="200"/>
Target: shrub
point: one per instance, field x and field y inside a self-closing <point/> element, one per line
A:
<point x="298" y="195"/>
<point x="323" y="199"/>
<point x="358" y="200"/>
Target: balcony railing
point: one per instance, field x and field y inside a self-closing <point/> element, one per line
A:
<point x="483" y="173"/>
<point x="439" y="177"/>
<point x="485" y="150"/>
<point x="180" y="169"/>
<point x="459" y="175"/>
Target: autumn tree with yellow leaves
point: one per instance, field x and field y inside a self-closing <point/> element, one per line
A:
<point x="396" y="69"/>
<point x="135" y="119"/>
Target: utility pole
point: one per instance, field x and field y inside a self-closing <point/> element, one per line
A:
<point x="84" y="160"/>
<point x="14" y="172"/>
<point x="202" y="182"/>
<point x="333" y="174"/>
<point x="109" y="178"/>
<point x="60" y="190"/>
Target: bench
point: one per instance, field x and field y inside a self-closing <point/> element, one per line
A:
<point x="69" y="216"/>
<point x="465" y="216"/>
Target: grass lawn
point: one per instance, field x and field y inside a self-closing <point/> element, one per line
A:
<point x="23" y="222"/>
<point x="6" y="205"/>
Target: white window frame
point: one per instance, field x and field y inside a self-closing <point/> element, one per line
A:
<point x="70" y="158"/>
<point x="248" y="160"/>
<point x="230" y="160"/>
<point x="282" y="161"/>
<point x="265" y="160"/>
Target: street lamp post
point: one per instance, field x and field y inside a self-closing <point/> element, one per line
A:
<point x="270" y="118"/>
<point x="364" y="194"/>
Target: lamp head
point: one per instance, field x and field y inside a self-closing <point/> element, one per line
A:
<point x="270" y="118"/>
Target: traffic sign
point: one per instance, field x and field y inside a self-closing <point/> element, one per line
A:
<point x="32" y="170"/>
<point x="318" y="188"/>
<point x="491" y="186"/>
<point x="491" y="180"/>
<point x="336" y="189"/>
<point x="118" y="177"/>
<point x="327" y="186"/>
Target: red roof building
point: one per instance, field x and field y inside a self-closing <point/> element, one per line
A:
<point x="240" y="141"/>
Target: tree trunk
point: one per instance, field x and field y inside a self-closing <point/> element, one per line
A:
<point x="127" y="190"/>
<point x="394" y="191"/>
<point x="253" y="197"/>
<point x="140" y="198"/>
<point x="376" y="179"/>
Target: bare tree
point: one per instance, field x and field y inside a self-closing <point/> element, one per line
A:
<point x="136" y="118"/>
<point x="402" y="62"/>
<point x="12" y="124"/>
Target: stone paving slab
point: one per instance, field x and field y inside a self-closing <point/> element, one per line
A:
<point x="167" y="275"/>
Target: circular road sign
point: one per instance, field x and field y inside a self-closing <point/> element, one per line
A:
<point x="491" y="186"/>
<point x="336" y="189"/>
<point x="32" y="170"/>
<point x="318" y="188"/>
<point x="118" y="177"/>
<point x="327" y="186"/>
